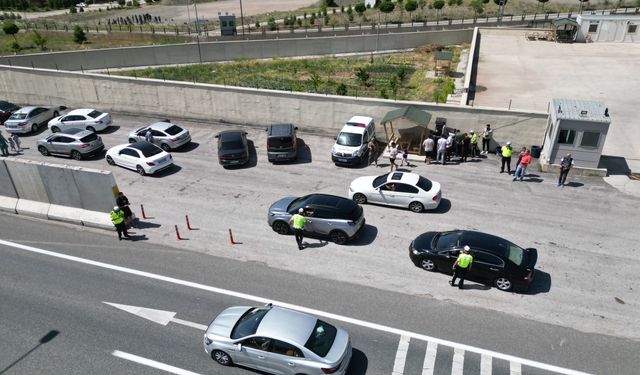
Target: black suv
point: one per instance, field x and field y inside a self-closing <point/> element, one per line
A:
<point x="281" y="142"/>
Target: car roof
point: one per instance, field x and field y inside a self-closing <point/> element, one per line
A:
<point x="81" y="111"/>
<point x="228" y="135"/>
<point x="481" y="240"/>
<point x="160" y="125"/>
<point x="76" y="132"/>
<point x="291" y="325"/>
<point x="280" y="130"/>
<point x="339" y="203"/>
<point x="406" y="177"/>
<point x="143" y="146"/>
<point x="26" y="109"/>
<point x="360" y="119"/>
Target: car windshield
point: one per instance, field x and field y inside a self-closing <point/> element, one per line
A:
<point x="249" y="322"/>
<point x="424" y="184"/>
<point x="173" y="130"/>
<point x="18" y="116"/>
<point x="349" y="139"/>
<point x="380" y="180"/>
<point x="321" y="338"/>
<point x="448" y="240"/>
<point x="94" y="114"/>
<point x="231" y="145"/>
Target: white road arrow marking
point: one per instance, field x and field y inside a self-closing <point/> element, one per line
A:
<point x="157" y="316"/>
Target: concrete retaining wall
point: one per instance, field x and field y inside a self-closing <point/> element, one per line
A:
<point x="230" y="50"/>
<point x="57" y="192"/>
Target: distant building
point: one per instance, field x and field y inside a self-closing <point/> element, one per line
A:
<point x="608" y="28"/>
<point x="370" y="3"/>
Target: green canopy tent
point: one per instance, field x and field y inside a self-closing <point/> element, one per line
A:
<point x="407" y="127"/>
<point x="565" y="29"/>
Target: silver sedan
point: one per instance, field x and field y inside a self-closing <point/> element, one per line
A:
<point x="164" y="134"/>
<point x="29" y="119"/>
<point x="278" y="341"/>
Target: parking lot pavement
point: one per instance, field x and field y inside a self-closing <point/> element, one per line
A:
<point x="586" y="233"/>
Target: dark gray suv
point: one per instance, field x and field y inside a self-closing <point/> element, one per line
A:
<point x="282" y="142"/>
<point x="337" y="218"/>
<point x="77" y="143"/>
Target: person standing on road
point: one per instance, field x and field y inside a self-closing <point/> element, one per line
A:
<point x="3" y="146"/>
<point x="428" y="149"/>
<point x="486" y="139"/>
<point x="520" y="155"/>
<point x="393" y="154"/>
<point x="442" y="150"/>
<point x="521" y="169"/>
<point x="123" y="202"/>
<point x="117" y="218"/>
<point x="148" y="136"/>
<point x="466" y="147"/>
<point x="17" y="141"/>
<point x="12" y="145"/>
<point x="461" y="267"/>
<point x="474" y="143"/>
<point x="506" y="150"/>
<point x="298" y="220"/>
<point x="565" y="166"/>
<point x="373" y="151"/>
<point x="405" y="156"/>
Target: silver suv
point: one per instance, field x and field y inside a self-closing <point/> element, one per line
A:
<point x="340" y="219"/>
<point x="78" y="143"/>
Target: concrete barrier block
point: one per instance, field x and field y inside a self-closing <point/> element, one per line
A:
<point x="6" y="183"/>
<point x="8" y="204"/>
<point x="96" y="219"/>
<point x="32" y="208"/>
<point x="66" y="214"/>
<point x="27" y="181"/>
<point x="60" y="185"/>
<point x="97" y="189"/>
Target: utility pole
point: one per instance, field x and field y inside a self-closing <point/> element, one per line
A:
<point x="195" y="6"/>
<point x="241" y="19"/>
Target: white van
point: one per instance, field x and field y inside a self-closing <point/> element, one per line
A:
<point x="351" y="143"/>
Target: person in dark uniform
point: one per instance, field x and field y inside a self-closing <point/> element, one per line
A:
<point x="123" y="202"/>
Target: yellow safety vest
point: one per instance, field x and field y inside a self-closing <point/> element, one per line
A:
<point x="117" y="217"/>
<point x="507" y="151"/>
<point x="474" y="138"/>
<point x="464" y="260"/>
<point x="298" y="221"/>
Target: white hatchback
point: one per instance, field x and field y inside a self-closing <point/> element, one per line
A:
<point x="85" y="118"/>
<point x="143" y="157"/>
<point x="400" y="189"/>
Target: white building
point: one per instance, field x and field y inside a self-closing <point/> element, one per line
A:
<point x="608" y="28"/>
<point x="370" y="3"/>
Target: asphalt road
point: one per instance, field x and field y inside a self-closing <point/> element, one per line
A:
<point x="43" y="292"/>
<point x="586" y="233"/>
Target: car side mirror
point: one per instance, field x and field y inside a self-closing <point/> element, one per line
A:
<point x="239" y="347"/>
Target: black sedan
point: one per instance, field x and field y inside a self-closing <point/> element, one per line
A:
<point x="232" y="147"/>
<point x="496" y="261"/>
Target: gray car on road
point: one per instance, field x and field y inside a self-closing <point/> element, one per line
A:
<point x="340" y="219"/>
<point x="278" y="341"/>
<point x="30" y="119"/>
<point x="77" y="143"/>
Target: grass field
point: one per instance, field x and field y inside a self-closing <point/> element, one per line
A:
<point x="400" y="76"/>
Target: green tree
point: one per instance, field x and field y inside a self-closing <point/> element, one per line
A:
<point x="122" y="3"/>
<point x="271" y="23"/>
<point x="11" y="28"/>
<point x="78" y="35"/>
<point x="386" y="8"/>
<point x="341" y="89"/>
<point x="15" y="46"/>
<point x="360" y="8"/>
<point x="39" y="40"/>
<point x="411" y="6"/>
<point x="478" y="6"/>
<point x="363" y="76"/>
<point x="438" y="5"/>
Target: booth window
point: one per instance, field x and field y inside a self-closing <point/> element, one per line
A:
<point x="590" y="139"/>
<point x="566" y="136"/>
<point x="632" y="29"/>
<point x="593" y="27"/>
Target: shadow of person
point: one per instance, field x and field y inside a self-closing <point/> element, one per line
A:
<point x="533" y="179"/>
<point x="136" y="237"/>
<point x="476" y="286"/>
<point x="314" y="245"/>
<point x="146" y="224"/>
<point x="574" y="184"/>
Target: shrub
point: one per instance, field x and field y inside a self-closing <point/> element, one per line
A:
<point x="15" y="46"/>
<point x="10" y="28"/>
<point x="78" y="35"/>
<point x="341" y="89"/>
<point x="39" y="40"/>
<point x="271" y="23"/>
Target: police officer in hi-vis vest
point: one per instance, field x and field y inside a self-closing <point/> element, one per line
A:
<point x="462" y="266"/>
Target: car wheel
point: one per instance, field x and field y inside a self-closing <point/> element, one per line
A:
<point x="428" y="265"/>
<point x="503" y="284"/>
<point x="221" y="357"/>
<point x="359" y="198"/>
<point x="54" y="129"/>
<point x="165" y="147"/>
<point x="76" y="155"/>
<point x="43" y="150"/>
<point x="339" y="237"/>
<point x="281" y="227"/>
<point x="416" y="207"/>
<point x="91" y="128"/>
<point x="110" y="160"/>
<point x="34" y="128"/>
<point x="132" y="140"/>
<point x="140" y="170"/>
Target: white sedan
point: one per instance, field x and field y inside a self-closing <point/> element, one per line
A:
<point x="401" y="189"/>
<point x="86" y="118"/>
<point x="143" y="157"/>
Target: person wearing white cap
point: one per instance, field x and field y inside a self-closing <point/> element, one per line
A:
<point x="462" y="266"/>
<point x="474" y="144"/>
<point x="117" y="218"/>
<point x="298" y="220"/>
<point x="506" y="151"/>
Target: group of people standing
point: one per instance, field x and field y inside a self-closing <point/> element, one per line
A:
<point x="442" y="147"/>
<point x="13" y="142"/>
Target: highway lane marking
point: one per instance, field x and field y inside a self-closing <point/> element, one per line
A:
<point x="401" y="355"/>
<point x="515" y="368"/>
<point x="458" y="361"/>
<point x="430" y="358"/>
<point x="157" y="316"/>
<point x="152" y="363"/>
<point x="344" y="319"/>
<point x="486" y="362"/>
